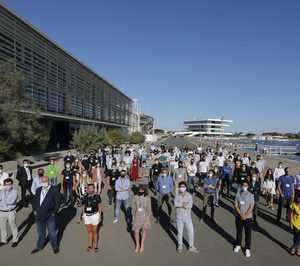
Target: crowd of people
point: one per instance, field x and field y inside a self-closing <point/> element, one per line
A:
<point x="171" y="175"/>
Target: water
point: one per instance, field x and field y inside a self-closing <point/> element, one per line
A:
<point x="274" y="143"/>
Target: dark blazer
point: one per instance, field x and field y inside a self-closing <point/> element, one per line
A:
<point x="22" y="175"/>
<point x="50" y="204"/>
<point x="255" y="189"/>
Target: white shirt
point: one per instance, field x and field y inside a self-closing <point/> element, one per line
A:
<point x="220" y="161"/>
<point x="278" y="172"/>
<point x="28" y="173"/>
<point x="192" y="169"/>
<point x="203" y="167"/>
<point x="246" y="161"/>
<point x="43" y="194"/>
<point x="3" y="176"/>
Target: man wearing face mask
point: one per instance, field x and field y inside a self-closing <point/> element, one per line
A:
<point x="164" y="188"/>
<point x="244" y="204"/>
<point x="112" y="176"/>
<point x="180" y="174"/>
<point x="36" y="183"/>
<point x="122" y="197"/>
<point x="68" y="184"/>
<point x="24" y="176"/>
<point x="46" y="204"/>
<point x="209" y="185"/>
<point x="254" y="188"/>
<point x="69" y="158"/>
<point x="286" y="189"/>
<point x="155" y="172"/>
<point x="192" y="171"/>
<point x="52" y="171"/>
<point x="8" y="204"/>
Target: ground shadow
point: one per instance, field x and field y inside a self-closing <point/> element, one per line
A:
<point x="213" y="225"/>
<point x="28" y="223"/>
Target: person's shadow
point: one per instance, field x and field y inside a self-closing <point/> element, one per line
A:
<point x="28" y="223"/>
<point x="63" y="218"/>
<point x="164" y="221"/>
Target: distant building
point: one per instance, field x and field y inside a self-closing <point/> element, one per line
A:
<point x="206" y="128"/>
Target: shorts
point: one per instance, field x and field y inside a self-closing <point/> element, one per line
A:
<point x="93" y="219"/>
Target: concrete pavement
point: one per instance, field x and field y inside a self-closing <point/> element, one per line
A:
<point x="215" y="241"/>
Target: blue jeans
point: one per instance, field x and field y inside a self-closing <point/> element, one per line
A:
<point x="118" y="207"/>
<point x="192" y="183"/>
<point x="53" y="181"/>
<point x="190" y="230"/>
<point x="41" y="230"/>
<point x="71" y="197"/>
<point x="216" y="196"/>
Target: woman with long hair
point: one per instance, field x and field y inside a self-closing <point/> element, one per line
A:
<point x="269" y="188"/>
<point x="141" y="217"/>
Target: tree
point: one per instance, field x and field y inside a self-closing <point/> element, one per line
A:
<point x="250" y="135"/>
<point x="21" y="130"/>
<point x="116" y="137"/>
<point x="87" y="139"/>
<point x="159" y="131"/>
<point x="136" y="138"/>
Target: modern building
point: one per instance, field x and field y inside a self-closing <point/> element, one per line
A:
<point x="206" y="128"/>
<point x="68" y="92"/>
<point x="141" y="122"/>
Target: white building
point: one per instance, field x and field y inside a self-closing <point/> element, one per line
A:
<point x="206" y="128"/>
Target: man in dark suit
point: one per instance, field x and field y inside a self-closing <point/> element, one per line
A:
<point x="24" y="176"/>
<point x="45" y="204"/>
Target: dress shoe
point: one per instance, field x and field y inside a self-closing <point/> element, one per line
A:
<point x="35" y="251"/>
<point x="14" y="244"/>
<point x="56" y="250"/>
<point x="2" y="244"/>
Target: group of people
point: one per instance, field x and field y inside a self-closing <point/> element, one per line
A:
<point x="171" y="175"/>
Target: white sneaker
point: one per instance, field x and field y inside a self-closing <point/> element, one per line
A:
<point x="115" y="221"/>
<point x="179" y="249"/>
<point x="193" y="250"/>
<point x="237" y="249"/>
<point x="247" y="253"/>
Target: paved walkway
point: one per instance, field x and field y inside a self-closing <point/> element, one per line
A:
<point x="215" y="241"/>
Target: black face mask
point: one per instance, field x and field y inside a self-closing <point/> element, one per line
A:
<point x="141" y="193"/>
<point x="40" y="174"/>
<point x="122" y="176"/>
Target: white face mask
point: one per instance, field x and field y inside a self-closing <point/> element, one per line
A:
<point x="8" y="187"/>
<point x="254" y="179"/>
<point x="280" y="166"/>
<point x="164" y="174"/>
<point x="1" y="171"/>
<point x="45" y="184"/>
<point x="182" y="189"/>
<point x="84" y="175"/>
<point x="25" y="165"/>
<point x="245" y="189"/>
<point x="210" y="175"/>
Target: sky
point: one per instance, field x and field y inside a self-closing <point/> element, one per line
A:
<point x="187" y="59"/>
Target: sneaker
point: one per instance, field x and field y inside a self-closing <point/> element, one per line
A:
<point x="247" y="253"/>
<point x="237" y="249"/>
<point x="115" y="221"/>
<point x="193" y="250"/>
<point x="179" y="249"/>
<point x="217" y="205"/>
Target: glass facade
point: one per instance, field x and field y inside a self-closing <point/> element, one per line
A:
<point x="57" y="82"/>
